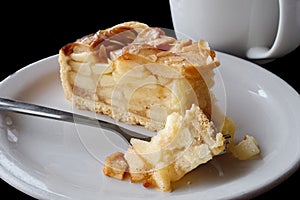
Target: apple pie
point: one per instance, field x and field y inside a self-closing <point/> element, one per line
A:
<point x="137" y="74"/>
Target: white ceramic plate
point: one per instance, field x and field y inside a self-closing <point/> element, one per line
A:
<point x="46" y="159"/>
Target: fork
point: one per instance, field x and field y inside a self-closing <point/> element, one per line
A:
<point x="51" y="113"/>
<point x="60" y="115"/>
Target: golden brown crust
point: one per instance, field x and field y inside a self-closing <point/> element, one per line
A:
<point x="93" y="42"/>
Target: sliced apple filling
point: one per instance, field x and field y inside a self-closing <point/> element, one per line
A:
<point x="140" y="91"/>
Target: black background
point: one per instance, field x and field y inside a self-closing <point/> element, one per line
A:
<point x="33" y="33"/>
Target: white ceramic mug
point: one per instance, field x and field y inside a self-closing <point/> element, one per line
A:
<point x="254" y="29"/>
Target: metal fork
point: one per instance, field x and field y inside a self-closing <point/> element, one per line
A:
<point x="51" y="113"/>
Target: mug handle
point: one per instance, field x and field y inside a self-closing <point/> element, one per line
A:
<point x="288" y="33"/>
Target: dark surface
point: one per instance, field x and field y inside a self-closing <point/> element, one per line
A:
<point x="39" y="32"/>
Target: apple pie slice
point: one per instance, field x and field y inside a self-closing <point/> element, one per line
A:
<point x="137" y="74"/>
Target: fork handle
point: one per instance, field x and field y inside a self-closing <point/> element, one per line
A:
<point x="51" y="113"/>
